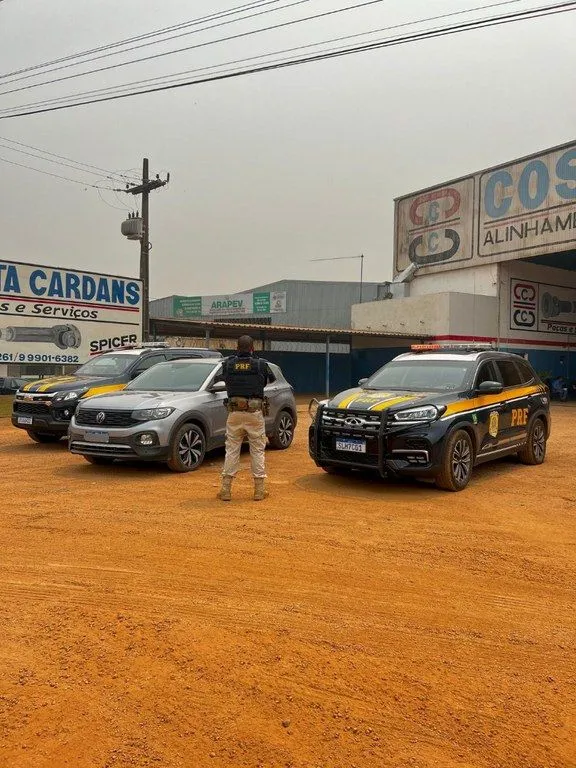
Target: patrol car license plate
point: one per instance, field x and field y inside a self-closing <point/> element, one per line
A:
<point x="97" y="437"/>
<point x="354" y="446"/>
<point x="25" y="420"/>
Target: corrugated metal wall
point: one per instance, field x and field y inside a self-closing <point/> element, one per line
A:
<point x="319" y="304"/>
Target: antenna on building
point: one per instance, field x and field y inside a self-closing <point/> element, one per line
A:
<point x="344" y="258"/>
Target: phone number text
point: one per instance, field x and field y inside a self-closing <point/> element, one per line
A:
<point x="9" y="357"/>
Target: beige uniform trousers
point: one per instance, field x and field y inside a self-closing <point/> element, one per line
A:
<point x="242" y="424"/>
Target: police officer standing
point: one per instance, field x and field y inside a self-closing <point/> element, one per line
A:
<point x="245" y="376"/>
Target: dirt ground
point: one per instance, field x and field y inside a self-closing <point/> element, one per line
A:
<point x="339" y="623"/>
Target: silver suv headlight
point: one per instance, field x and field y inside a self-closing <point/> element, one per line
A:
<point x="425" y="413"/>
<point x="152" y="414"/>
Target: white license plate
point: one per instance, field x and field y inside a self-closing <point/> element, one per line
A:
<point x="97" y="437"/>
<point x="355" y="446"/>
<point x="25" y="420"/>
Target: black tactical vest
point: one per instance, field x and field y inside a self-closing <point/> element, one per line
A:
<point x="245" y="376"/>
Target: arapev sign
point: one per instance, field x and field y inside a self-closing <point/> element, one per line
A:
<point x="522" y="209"/>
<point x="234" y="305"/>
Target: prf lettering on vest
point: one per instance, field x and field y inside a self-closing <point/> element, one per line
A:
<point x="242" y="367"/>
<point x="519" y="417"/>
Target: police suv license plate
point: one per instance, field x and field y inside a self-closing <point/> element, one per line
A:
<point x="25" y="420"/>
<point x="97" y="437"/>
<point x="354" y="446"/>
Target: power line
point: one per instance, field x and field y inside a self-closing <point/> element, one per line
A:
<point x="144" y="45"/>
<point x="54" y="175"/>
<point x="72" y="164"/>
<point x="239" y="36"/>
<point x="389" y="42"/>
<point x="175" y="77"/>
<point x="116" y="207"/>
<point x="153" y="33"/>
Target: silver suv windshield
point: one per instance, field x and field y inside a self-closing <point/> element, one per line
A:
<point x="421" y="376"/>
<point x="177" y="376"/>
<point x="107" y="365"/>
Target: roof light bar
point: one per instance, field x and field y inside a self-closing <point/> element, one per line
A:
<point x="477" y="346"/>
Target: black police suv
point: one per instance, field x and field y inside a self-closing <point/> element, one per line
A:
<point x="435" y="413"/>
<point x="45" y="407"/>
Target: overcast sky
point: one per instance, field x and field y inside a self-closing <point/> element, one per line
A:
<point x="271" y="170"/>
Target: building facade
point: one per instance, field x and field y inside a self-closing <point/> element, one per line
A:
<point x="494" y="259"/>
<point x="304" y="303"/>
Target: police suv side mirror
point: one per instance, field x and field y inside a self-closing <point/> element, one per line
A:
<point x="490" y="388"/>
<point x="218" y="386"/>
<point x="362" y="382"/>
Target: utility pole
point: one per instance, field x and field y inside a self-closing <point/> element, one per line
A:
<point x="144" y="189"/>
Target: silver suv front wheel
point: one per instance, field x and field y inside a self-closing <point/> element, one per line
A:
<point x="187" y="449"/>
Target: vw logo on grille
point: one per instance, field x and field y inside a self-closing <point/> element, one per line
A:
<point x="353" y="421"/>
<point x="100" y="417"/>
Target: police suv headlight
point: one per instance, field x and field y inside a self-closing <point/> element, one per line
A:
<point x="66" y="397"/>
<point x="152" y="414"/>
<point x="425" y="413"/>
<point x="314" y="405"/>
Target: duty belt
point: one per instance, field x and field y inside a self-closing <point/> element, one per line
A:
<point x="250" y="404"/>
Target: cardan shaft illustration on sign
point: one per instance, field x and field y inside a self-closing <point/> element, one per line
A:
<point x="56" y="315"/>
<point x="62" y="336"/>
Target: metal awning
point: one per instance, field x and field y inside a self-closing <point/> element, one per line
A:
<point x="218" y="329"/>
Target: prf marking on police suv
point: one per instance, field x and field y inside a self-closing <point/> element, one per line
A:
<point x="435" y="413"/>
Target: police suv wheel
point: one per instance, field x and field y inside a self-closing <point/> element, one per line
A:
<point x="534" y="452"/>
<point x="187" y="449"/>
<point x="283" y="434"/>
<point x="44" y="437"/>
<point x="457" y="462"/>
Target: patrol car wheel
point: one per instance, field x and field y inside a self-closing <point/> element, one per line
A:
<point x="283" y="434"/>
<point x="44" y="437"/>
<point x="187" y="449"/>
<point x="457" y="462"/>
<point x="534" y="452"/>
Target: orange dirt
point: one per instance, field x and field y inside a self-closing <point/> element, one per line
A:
<point x="339" y="623"/>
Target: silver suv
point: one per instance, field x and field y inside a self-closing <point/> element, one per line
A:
<point x="173" y="412"/>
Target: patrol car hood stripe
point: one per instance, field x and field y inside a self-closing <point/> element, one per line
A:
<point x="365" y="400"/>
<point x="68" y="383"/>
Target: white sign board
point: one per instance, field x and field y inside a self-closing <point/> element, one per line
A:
<point x="536" y="307"/>
<point x="526" y="208"/>
<point x="53" y="315"/>
<point x="434" y="227"/>
<point x="234" y="305"/>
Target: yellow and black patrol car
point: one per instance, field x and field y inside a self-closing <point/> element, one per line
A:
<point x="44" y="407"/>
<point x="435" y="412"/>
